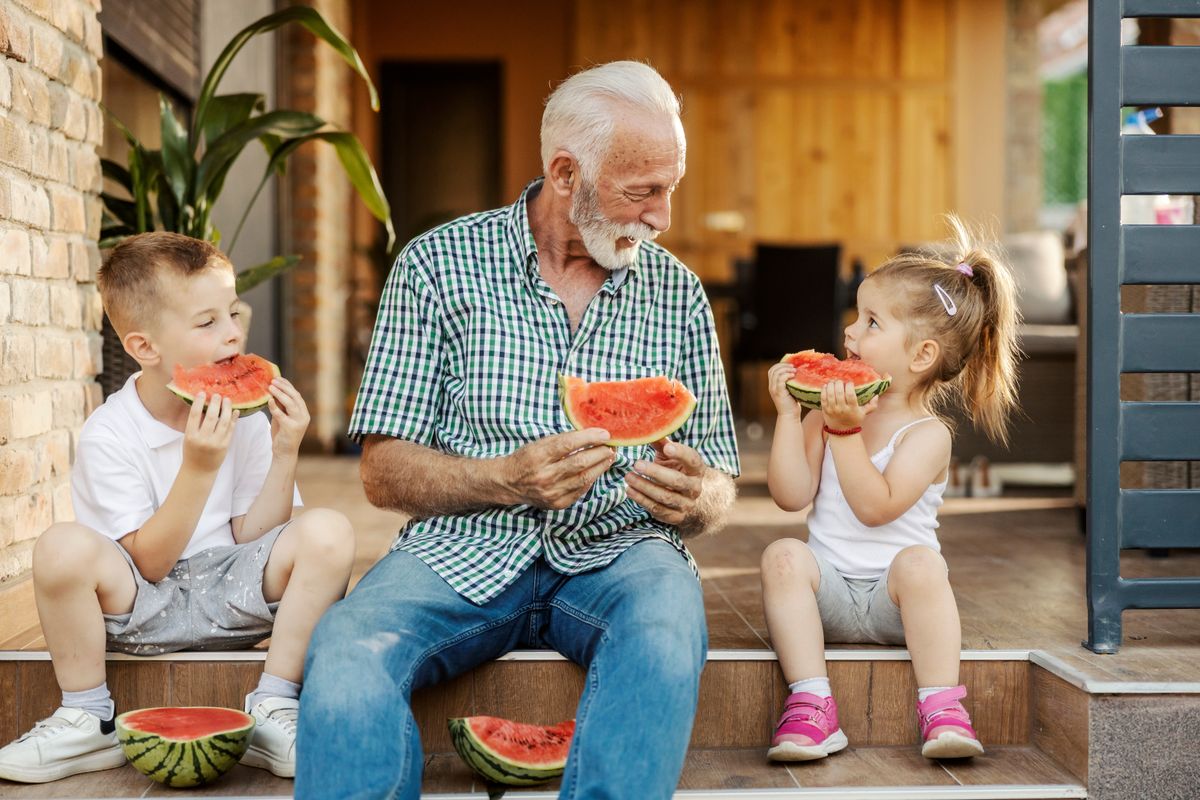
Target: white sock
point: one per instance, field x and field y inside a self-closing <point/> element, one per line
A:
<point x="97" y="702"/>
<point x="272" y="686"/>
<point x="817" y="686"/>
<point x="925" y="693"/>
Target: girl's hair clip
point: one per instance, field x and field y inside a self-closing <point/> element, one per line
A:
<point x="965" y="269"/>
<point x="947" y="300"/>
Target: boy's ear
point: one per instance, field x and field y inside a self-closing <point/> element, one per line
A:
<point x="925" y="356"/>
<point x="141" y="348"/>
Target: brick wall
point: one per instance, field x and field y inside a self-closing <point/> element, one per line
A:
<point x="50" y="125"/>
<point x="1023" y="156"/>
<point x="318" y="201"/>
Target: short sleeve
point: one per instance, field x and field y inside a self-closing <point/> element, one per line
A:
<point x="401" y="385"/>
<point x="253" y="461"/>
<point x="709" y="430"/>
<point x="110" y="493"/>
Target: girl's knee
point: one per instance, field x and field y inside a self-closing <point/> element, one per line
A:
<point x="917" y="566"/>
<point x="788" y="560"/>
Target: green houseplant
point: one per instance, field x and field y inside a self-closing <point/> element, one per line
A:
<point x="175" y="188"/>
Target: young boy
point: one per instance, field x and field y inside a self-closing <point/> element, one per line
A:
<point x="182" y="538"/>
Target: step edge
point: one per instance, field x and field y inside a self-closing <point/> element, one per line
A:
<point x="1077" y="678"/>
<point x="981" y="792"/>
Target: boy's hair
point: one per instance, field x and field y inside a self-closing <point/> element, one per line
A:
<point x="130" y="283"/>
<point x="977" y="364"/>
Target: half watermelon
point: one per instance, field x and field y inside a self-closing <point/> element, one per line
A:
<point x="512" y="753"/>
<point x="243" y="379"/>
<point x="814" y="370"/>
<point x="184" y="746"/>
<point x="633" y="412"/>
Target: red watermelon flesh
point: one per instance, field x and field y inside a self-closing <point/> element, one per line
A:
<point x="186" y="722"/>
<point x="634" y="412"/>
<point x="243" y="379"/>
<point x="512" y="753"/>
<point x="814" y="370"/>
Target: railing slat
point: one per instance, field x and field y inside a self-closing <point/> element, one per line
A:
<point x="1160" y="342"/>
<point x="1158" y="254"/>
<point x="1160" y="518"/>
<point x="1162" y="75"/>
<point x="1160" y="431"/>
<point x="1160" y="164"/>
<point x="1160" y="592"/>
<point x="1160" y="8"/>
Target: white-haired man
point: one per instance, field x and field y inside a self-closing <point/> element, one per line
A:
<point x="523" y="535"/>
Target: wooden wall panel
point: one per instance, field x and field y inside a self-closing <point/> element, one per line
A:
<point x="816" y="120"/>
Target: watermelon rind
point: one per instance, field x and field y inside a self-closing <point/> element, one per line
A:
<point x="810" y="396"/>
<point x="568" y="383"/>
<point x="494" y="767"/>
<point x="184" y="762"/>
<point x="257" y="403"/>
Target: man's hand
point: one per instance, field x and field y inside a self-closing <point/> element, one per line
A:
<point x="555" y="471"/>
<point x="207" y="435"/>
<point x="669" y="486"/>
<point x="289" y="418"/>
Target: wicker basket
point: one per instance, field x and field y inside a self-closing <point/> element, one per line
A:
<point x="116" y="365"/>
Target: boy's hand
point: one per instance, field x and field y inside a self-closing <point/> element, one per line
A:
<point x="840" y="408"/>
<point x="289" y="418"/>
<point x="208" y="433"/>
<point x="777" y="378"/>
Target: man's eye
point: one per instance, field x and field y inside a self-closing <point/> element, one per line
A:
<point x="235" y="313"/>
<point x="205" y="324"/>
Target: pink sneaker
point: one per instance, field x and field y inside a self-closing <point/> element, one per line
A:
<point x="807" y="730"/>
<point x="943" y="713"/>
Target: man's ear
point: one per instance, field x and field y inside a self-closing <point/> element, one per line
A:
<point x="925" y="356"/>
<point x="563" y="173"/>
<point x="141" y="348"/>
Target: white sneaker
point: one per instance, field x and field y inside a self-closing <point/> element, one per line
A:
<point x="273" y="743"/>
<point x="66" y="743"/>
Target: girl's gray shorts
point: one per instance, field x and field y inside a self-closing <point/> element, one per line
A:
<point x="857" y="609"/>
<point x="210" y="601"/>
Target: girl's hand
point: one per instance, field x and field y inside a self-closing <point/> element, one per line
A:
<point x="289" y="418"/>
<point x="208" y="432"/>
<point x="777" y="378"/>
<point x="839" y="406"/>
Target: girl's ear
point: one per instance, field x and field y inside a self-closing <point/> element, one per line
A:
<point x="925" y="356"/>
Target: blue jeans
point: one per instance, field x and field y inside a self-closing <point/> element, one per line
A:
<point x="637" y="625"/>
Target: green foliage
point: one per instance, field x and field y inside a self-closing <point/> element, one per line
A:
<point x="176" y="187"/>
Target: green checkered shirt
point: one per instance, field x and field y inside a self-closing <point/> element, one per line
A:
<point x="465" y="358"/>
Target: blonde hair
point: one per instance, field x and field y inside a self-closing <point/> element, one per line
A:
<point x="130" y="281"/>
<point x="978" y="353"/>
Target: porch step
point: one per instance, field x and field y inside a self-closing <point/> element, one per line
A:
<point x="857" y="773"/>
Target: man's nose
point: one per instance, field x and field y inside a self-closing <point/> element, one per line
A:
<point x="658" y="213"/>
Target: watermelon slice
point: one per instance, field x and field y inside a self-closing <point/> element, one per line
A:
<point x="243" y="379"/>
<point x="512" y="753"/>
<point x="184" y="746"/>
<point x="634" y="412"/>
<point x="814" y="370"/>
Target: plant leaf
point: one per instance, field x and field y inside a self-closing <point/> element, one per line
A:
<point x="310" y="19"/>
<point x="224" y="151"/>
<point x="117" y="174"/>
<point x="248" y="279"/>
<point x="227" y="110"/>
<point x="177" y="163"/>
<point x="124" y="211"/>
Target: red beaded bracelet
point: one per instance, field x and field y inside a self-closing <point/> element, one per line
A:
<point x="847" y="432"/>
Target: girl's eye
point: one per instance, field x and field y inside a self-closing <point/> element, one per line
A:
<point x="872" y="323"/>
<point x="235" y="314"/>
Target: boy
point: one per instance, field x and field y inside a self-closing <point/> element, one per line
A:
<point x="182" y="537"/>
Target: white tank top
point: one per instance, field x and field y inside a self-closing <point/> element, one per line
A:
<point x="854" y="549"/>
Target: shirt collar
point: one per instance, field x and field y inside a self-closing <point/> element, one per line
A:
<point x="154" y="433"/>
<point x="523" y="244"/>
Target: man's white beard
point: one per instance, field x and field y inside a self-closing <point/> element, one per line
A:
<point x="600" y="234"/>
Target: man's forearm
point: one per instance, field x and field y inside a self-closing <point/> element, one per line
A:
<point x="717" y="494"/>
<point x="422" y="482"/>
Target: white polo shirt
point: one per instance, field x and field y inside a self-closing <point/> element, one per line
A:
<point x="126" y="462"/>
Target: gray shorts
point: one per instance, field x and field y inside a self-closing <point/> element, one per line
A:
<point x="857" y="609"/>
<point x="210" y="601"/>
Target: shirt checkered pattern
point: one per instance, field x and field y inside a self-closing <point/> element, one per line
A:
<point x="468" y="346"/>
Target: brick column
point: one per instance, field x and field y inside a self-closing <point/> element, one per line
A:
<point x="317" y="226"/>
<point x="50" y="126"/>
<point x="1023" y="135"/>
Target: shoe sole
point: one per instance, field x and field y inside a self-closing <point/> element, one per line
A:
<point x="260" y="760"/>
<point x="790" y="751"/>
<point x="952" y="745"/>
<point x="89" y="762"/>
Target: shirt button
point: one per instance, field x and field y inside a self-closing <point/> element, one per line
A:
<point x="553" y="301"/>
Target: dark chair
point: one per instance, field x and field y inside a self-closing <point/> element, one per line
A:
<point x="789" y="297"/>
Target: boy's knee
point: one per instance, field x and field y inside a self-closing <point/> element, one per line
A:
<point x="917" y="565"/>
<point x="65" y="550"/>
<point x="788" y="560"/>
<point x="326" y="536"/>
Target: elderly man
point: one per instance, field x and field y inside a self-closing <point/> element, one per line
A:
<point x="523" y="535"/>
